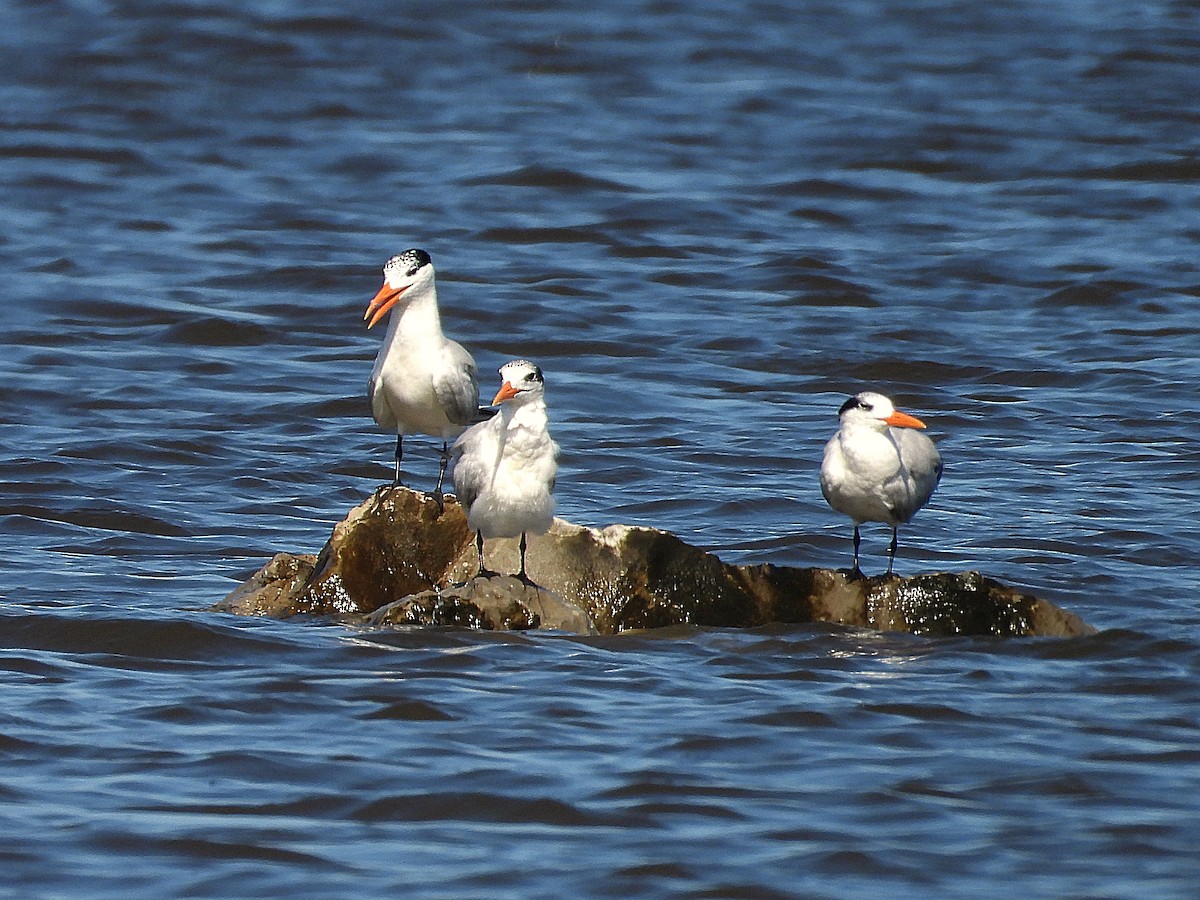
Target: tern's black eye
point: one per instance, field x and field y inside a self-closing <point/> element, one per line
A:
<point x="854" y="403"/>
<point x="534" y="376"/>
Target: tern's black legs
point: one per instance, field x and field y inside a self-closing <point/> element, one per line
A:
<point x="856" y="572"/>
<point x="521" y="574"/>
<point x="483" y="572"/>
<point x="399" y="455"/>
<point x="442" y="464"/>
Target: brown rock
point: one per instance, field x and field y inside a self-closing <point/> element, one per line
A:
<point x="399" y="550"/>
<point x="967" y="603"/>
<point x="272" y="590"/>
<point x="495" y="603"/>
<point x="399" y="542"/>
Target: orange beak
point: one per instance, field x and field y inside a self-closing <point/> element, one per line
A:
<point x="506" y="392"/>
<point x="904" y="420"/>
<point x="384" y="301"/>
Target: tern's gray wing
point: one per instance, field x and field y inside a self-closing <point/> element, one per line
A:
<point x="457" y="387"/>
<point x="830" y="461"/>
<point x="923" y="463"/>
<point x="473" y="456"/>
<point x="379" y="405"/>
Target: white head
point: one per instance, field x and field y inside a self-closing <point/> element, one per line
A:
<point x="522" y="381"/>
<point x="404" y="271"/>
<point x="875" y="411"/>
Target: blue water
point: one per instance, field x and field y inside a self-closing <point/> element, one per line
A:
<point x="708" y="224"/>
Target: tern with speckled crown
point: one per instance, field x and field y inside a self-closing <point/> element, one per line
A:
<point x="504" y="469"/>
<point x="422" y="383"/>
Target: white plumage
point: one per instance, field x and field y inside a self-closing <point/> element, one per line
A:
<point x="504" y="468"/>
<point x="878" y="468"/>
<point x="422" y="382"/>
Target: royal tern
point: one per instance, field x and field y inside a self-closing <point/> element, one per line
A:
<point x="878" y="468"/>
<point x="504" y="468"/>
<point x="422" y="382"/>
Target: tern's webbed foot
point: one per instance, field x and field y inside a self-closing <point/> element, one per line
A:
<point x="482" y="573"/>
<point x="527" y="581"/>
<point x="380" y="492"/>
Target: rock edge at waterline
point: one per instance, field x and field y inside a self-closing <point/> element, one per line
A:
<point x="399" y="559"/>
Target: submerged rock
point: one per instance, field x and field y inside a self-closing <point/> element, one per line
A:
<point x="400" y="559"/>
<point x="273" y="589"/>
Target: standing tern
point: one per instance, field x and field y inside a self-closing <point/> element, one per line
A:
<point x="422" y="382"/>
<point x="504" y="468"/>
<point x="878" y="468"/>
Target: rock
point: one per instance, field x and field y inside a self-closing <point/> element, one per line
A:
<point x="272" y="590"/>
<point x="967" y="603"/>
<point x="495" y="603"/>
<point x="400" y="559"/>
<point x="397" y="543"/>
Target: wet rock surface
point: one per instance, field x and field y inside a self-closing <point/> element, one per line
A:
<point x="494" y="603"/>
<point x="400" y="559"/>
